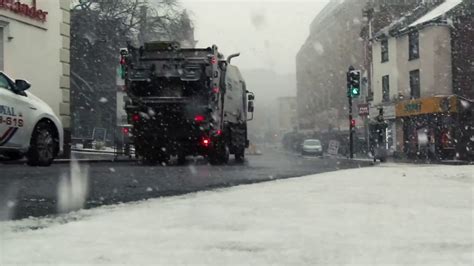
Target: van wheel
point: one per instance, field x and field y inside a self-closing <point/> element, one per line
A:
<point x="42" y="145"/>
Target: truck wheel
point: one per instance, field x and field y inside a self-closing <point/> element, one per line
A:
<point x="220" y="155"/>
<point x="164" y="159"/>
<point x="225" y="154"/>
<point x="149" y="159"/>
<point x="42" y="145"/>
<point x="240" y="155"/>
<point x="147" y="156"/>
<point x="181" y="159"/>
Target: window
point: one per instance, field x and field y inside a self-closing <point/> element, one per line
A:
<point x="414" y="45"/>
<point x="386" y="88"/>
<point x="415" y="84"/>
<point x="313" y="142"/>
<point x="384" y="50"/>
<point x="4" y="82"/>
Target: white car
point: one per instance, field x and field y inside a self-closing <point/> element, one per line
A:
<point x="312" y="146"/>
<point x="28" y="126"/>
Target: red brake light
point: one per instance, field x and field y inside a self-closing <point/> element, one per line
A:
<point x="213" y="60"/>
<point x="206" y="142"/>
<point x="136" y="117"/>
<point x="125" y="130"/>
<point x="219" y="132"/>
<point x="199" y="118"/>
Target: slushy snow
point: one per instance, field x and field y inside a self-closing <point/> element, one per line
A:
<point x="387" y="215"/>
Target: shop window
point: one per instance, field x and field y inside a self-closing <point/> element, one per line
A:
<point x="386" y="88"/>
<point x="415" y="84"/>
<point x="414" y="45"/>
<point x="384" y="55"/>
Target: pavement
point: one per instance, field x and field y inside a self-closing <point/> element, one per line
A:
<point x="390" y="214"/>
<point x="35" y="192"/>
<point x="367" y="158"/>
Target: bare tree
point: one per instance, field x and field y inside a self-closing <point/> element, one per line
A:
<point x="99" y="28"/>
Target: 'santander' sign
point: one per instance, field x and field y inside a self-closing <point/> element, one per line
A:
<point x="20" y="8"/>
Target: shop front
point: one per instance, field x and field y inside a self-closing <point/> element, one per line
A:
<point x="390" y="132"/>
<point x="433" y="128"/>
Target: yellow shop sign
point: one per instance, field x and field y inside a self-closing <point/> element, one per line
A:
<point x="427" y="106"/>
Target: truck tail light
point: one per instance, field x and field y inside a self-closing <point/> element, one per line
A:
<point x="199" y="118"/>
<point x="213" y="60"/>
<point x="136" y="117"/>
<point x="206" y="142"/>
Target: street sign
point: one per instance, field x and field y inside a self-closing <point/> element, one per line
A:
<point x="363" y="109"/>
<point x="333" y="148"/>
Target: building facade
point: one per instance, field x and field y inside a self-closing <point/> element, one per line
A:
<point x="34" y="45"/>
<point x="422" y="73"/>
<point x="322" y="62"/>
<point x="287" y="115"/>
<point x="339" y="37"/>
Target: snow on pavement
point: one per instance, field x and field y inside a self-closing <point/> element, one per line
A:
<point x="387" y="215"/>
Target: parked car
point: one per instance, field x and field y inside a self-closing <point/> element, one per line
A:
<point x="28" y="126"/>
<point x="312" y="147"/>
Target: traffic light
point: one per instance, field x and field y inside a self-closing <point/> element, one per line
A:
<point x="353" y="83"/>
<point x="353" y="123"/>
<point x="122" y="71"/>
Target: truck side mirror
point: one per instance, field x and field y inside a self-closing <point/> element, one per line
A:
<point x="251" y="107"/>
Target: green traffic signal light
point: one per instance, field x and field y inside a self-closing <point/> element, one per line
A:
<point x="353" y="83"/>
<point x="121" y="72"/>
<point x="355" y="92"/>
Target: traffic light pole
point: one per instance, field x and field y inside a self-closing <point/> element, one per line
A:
<point x="351" y="133"/>
<point x="353" y="82"/>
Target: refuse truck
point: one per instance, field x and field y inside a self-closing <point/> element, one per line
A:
<point x="185" y="101"/>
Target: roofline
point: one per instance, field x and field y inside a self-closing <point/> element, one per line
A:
<point x="408" y="30"/>
<point x="438" y="21"/>
<point x="419" y="27"/>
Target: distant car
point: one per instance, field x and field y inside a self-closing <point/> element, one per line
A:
<point x="28" y="126"/>
<point x="312" y="147"/>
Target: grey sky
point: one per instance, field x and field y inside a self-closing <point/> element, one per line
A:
<point x="267" y="33"/>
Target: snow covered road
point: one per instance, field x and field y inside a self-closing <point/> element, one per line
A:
<point x="387" y="215"/>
